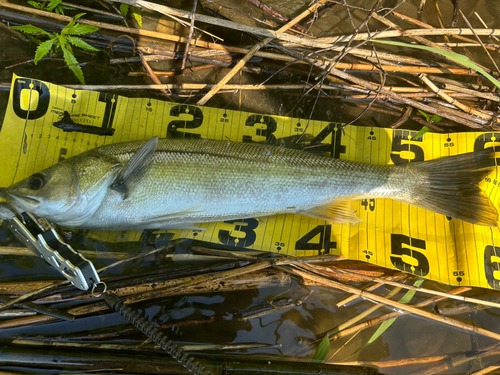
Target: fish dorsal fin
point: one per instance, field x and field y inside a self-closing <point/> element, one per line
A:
<point x="337" y="212"/>
<point x="135" y="168"/>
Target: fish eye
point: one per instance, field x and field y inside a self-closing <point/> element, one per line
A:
<point x="36" y="181"/>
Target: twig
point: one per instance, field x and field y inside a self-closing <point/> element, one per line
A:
<point x="484" y="24"/>
<point x="274" y="13"/>
<point x="383" y="318"/>
<point x="479" y="39"/>
<point x="479" y="94"/>
<point x="398" y="305"/>
<point x="417" y="289"/>
<point x="417" y="38"/>
<point x="254" y="49"/>
<point x="190" y="36"/>
<point x="47" y="288"/>
<point x="487" y="370"/>
<point x="152" y="74"/>
<point x="163" y="9"/>
<point x="361" y="315"/>
<point x="450" y="100"/>
<point x="403" y="118"/>
<point x="354" y="297"/>
<point x="410" y="32"/>
<point x="22" y="251"/>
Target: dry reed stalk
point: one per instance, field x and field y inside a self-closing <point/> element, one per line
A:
<point x="363" y="314"/>
<point x="408" y="33"/>
<point x="354" y="297"/>
<point x="190" y="35"/>
<point x="253" y="50"/>
<point x="484" y="24"/>
<point x="374" y="279"/>
<point x="479" y="94"/>
<point x="457" y="359"/>
<point x="426" y="108"/>
<point x="152" y="74"/>
<point x="397" y="305"/>
<point x="199" y="43"/>
<point x="486" y="370"/>
<point x="480" y="41"/>
<point x="383" y="318"/>
<point x="419" y="39"/>
<point x="163" y="9"/>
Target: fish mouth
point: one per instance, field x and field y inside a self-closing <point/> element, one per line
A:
<point x="24" y="200"/>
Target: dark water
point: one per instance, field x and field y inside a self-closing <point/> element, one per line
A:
<point x="215" y="317"/>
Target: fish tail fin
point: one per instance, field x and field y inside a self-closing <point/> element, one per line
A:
<point x="451" y="187"/>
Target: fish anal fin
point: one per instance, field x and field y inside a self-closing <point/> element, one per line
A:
<point x="336" y="212"/>
<point x="135" y="168"/>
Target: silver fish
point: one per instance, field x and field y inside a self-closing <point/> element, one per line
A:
<point x="175" y="183"/>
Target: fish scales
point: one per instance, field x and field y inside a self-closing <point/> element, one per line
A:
<point x="226" y="180"/>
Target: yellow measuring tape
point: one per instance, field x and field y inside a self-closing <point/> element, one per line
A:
<point x="392" y="234"/>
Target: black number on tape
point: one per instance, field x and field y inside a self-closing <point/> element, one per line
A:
<point x="109" y="110"/>
<point x="368" y="204"/>
<point x="336" y="148"/>
<point x="31" y="98"/>
<point x="246" y="227"/>
<point x="62" y="153"/>
<point x="175" y="125"/>
<point x="492" y="266"/>
<point x="416" y="262"/>
<point x="323" y="242"/>
<point x="406" y="150"/>
<point x="270" y="128"/>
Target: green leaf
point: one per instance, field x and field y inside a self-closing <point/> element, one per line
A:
<point x="30" y="29"/>
<point x="80" y="29"/>
<point x="70" y="59"/>
<point x="53" y="4"/>
<point x="124" y="9"/>
<point x="385" y="325"/>
<point x="71" y="24"/>
<point x="77" y="42"/>
<point x="322" y="350"/>
<point x="435" y="119"/>
<point x="43" y="49"/>
<point x="421" y="132"/>
<point x="456" y="57"/>
<point x="35" y="5"/>
<point x="427" y="117"/>
<point x="137" y="15"/>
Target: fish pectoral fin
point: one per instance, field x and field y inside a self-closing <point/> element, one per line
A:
<point x="337" y="212"/>
<point x="174" y="215"/>
<point x="135" y="168"/>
